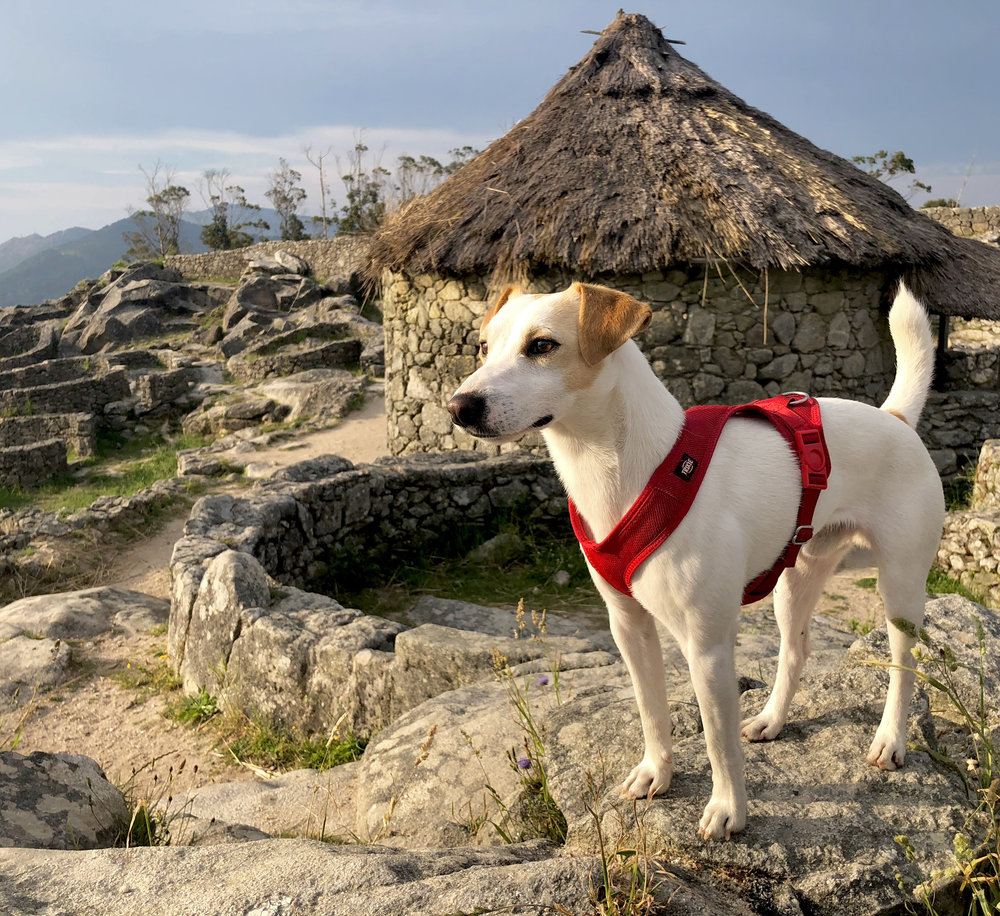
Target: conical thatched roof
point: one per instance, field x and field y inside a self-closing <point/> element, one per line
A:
<point x="637" y="160"/>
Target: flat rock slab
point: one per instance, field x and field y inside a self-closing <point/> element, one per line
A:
<point x="57" y="801"/>
<point x="299" y="877"/>
<point x="83" y="614"/>
<point x="291" y="878"/>
<point x="306" y="803"/>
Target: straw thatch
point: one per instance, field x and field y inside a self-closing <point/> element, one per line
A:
<point x="637" y="160"/>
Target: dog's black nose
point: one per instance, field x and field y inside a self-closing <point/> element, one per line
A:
<point x="467" y="409"/>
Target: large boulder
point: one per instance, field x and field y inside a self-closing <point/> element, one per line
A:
<point x="136" y="305"/>
<point x="322" y="395"/>
<point x="58" y="801"/>
<point x="295" y="877"/>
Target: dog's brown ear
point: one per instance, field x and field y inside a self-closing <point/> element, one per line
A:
<point x="607" y="319"/>
<point x="509" y="293"/>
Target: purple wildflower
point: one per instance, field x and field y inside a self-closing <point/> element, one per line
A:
<point x="524" y="762"/>
<point x="542" y="681"/>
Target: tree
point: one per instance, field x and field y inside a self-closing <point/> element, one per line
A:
<point x="158" y="229"/>
<point x="231" y="213"/>
<point x="418" y="176"/>
<point x="285" y="196"/>
<point x="366" y="192"/>
<point x="322" y="220"/>
<point x="887" y="167"/>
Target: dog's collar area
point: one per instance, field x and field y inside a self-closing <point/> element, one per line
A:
<point x="542" y="421"/>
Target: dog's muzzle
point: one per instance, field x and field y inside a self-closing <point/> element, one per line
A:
<point x="467" y="410"/>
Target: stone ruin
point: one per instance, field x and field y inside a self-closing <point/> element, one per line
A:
<point x="246" y="626"/>
<point x="112" y="356"/>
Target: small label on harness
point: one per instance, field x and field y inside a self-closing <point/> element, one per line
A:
<point x="686" y="468"/>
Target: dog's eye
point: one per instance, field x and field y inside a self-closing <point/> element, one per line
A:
<point x="541" y="346"/>
<point x="483" y="348"/>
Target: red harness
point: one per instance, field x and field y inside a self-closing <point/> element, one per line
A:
<point x="674" y="484"/>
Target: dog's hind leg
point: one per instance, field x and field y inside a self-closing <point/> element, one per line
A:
<point x="795" y="599"/>
<point x="903" y="595"/>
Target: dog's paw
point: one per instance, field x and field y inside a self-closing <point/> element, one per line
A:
<point x="649" y="778"/>
<point x="887" y="752"/>
<point x="722" y="819"/>
<point x="762" y="727"/>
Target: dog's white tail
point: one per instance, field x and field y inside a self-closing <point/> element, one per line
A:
<point x="911" y="336"/>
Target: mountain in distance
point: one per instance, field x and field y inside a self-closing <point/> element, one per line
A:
<point x="34" y="268"/>
<point x="14" y="251"/>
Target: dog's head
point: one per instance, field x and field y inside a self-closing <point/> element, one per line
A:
<point x="540" y="354"/>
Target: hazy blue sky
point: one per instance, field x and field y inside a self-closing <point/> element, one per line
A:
<point x="90" y="92"/>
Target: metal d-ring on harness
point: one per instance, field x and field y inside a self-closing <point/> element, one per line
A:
<point x="667" y="497"/>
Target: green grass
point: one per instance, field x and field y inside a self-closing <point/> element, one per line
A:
<point x="524" y="574"/>
<point x="275" y="749"/>
<point x="193" y="710"/>
<point x="940" y="583"/>
<point x="958" y="493"/>
<point x="147" y="680"/>
<point x="122" y="467"/>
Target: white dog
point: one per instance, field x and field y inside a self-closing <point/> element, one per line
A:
<point x="564" y="363"/>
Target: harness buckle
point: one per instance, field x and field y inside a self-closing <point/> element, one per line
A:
<point x="802" y="534"/>
<point x="797" y="397"/>
<point x="812" y="458"/>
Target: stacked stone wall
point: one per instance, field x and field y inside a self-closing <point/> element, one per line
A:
<point x="322" y="521"/>
<point x="967" y="221"/>
<point x="77" y="431"/>
<point x="158" y="389"/>
<point x="986" y="487"/>
<point x="970" y="545"/>
<point x="23" y="467"/>
<point x="955" y="424"/>
<point x="707" y="340"/>
<point x="46" y="372"/>
<point x="84" y="395"/>
<point x="342" y="256"/>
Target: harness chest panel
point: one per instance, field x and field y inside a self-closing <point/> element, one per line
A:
<point x="673" y="486"/>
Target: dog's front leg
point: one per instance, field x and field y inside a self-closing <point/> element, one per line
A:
<point x="635" y="635"/>
<point x="714" y="677"/>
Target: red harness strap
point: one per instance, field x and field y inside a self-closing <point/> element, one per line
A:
<point x="667" y="497"/>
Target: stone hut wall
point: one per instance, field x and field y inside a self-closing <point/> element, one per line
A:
<point x="824" y="334"/>
<point x="341" y="256"/>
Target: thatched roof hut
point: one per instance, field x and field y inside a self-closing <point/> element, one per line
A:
<point x="637" y="160"/>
